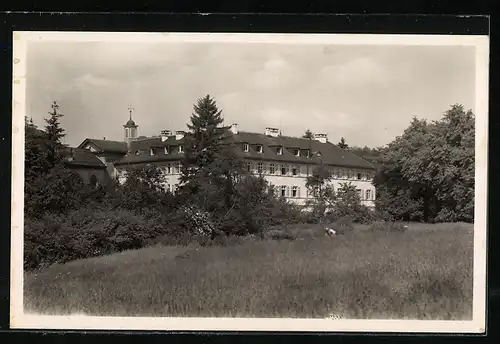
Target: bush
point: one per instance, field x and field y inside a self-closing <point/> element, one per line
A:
<point x="87" y="233"/>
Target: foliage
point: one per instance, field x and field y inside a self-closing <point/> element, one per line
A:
<point x="342" y="144"/>
<point x="308" y="134"/>
<point x="203" y="143"/>
<point x="144" y="188"/>
<point x="348" y="204"/>
<point x="54" y="133"/>
<point x="85" y="233"/>
<point x="36" y="162"/>
<point x="369" y="154"/>
<point x="60" y="191"/>
<point x="427" y="174"/>
<point x="318" y="184"/>
<point x="330" y="205"/>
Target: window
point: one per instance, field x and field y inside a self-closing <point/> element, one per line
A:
<point x="245" y="147"/>
<point x="260" y="168"/>
<point x="295" y="170"/>
<point x="259" y="149"/>
<point x="280" y="150"/>
<point x="308" y="153"/>
<point x="169" y="169"/>
<point x="360" y="194"/>
<point x="272" y="168"/>
<point x="249" y="166"/>
<point x="368" y="195"/>
<point x="283" y="190"/>
<point x="295" y="191"/>
<point x="359" y="176"/>
<point x="151" y="151"/>
<point x="284" y="170"/>
<point x="181" y="148"/>
<point x="93" y="181"/>
<point x="296" y="152"/>
<point x="179" y="166"/>
<point x="315" y="191"/>
<point x="166" y="150"/>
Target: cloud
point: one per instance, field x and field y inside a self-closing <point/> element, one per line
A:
<point x="360" y="92"/>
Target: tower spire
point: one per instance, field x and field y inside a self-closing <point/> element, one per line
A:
<point x="130" y="109"/>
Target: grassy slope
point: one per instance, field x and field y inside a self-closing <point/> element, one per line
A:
<point x="424" y="274"/>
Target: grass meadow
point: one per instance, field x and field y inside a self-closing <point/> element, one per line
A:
<point x="423" y="273"/>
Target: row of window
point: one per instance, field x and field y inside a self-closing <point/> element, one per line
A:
<point x="291" y="170"/>
<point x="294" y="191"/>
<point x="168" y="150"/>
<point x="279" y="150"/>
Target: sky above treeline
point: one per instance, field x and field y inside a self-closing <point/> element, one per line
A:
<point x="367" y="94"/>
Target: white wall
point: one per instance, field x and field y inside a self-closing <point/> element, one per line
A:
<point x="172" y="176"/>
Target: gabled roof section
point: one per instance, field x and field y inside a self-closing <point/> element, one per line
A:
<point x="106" y="146"/>
<point x="83" y="157"/>
<point x="140" y="151"/>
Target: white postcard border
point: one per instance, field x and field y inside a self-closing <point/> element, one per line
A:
<point x="19" y="319"/>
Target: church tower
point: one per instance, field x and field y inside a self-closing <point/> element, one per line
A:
<point x="130" y="129"/>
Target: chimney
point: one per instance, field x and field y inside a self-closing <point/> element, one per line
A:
<point x="164" y="134"/>
<point x="234" y="128"/>
<point x="104" y="138"/>
<point x="323" y="138"/>
<point x="274" y="132"/>
<point x="179" y="134"/>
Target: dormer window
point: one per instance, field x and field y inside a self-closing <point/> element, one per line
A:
<point x="308" y="153"/>
<point x="280" y="150"/>
<point x="260" y="149"/>
<point x="296" y="152"/>
<point x="245" y="147"/>
<point x="166" y="150"/>
<point x="137" y="152"/>
<point x="151" y="151"/>
<point x="181" y="149"/>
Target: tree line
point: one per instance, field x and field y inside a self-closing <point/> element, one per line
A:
<point x="427" y="173"/>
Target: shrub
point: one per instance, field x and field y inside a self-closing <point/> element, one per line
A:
<point x="86" y="233"/>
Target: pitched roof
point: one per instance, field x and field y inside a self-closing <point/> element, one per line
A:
<point x="83" y="157"/>
<point x="330" y="154"/>
<point x="107" y="146"/>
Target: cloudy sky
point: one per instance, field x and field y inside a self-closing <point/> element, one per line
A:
<point x="367" y="94"/>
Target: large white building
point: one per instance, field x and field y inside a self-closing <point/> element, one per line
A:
<point x="284" y="161"/>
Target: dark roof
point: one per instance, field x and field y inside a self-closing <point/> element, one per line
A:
<point x="107" y="146"/>
<point x="140" y="151"/>
<point x="130" y="123"/>
<point x="329" y="153"/>
<point x="83" y="157"/>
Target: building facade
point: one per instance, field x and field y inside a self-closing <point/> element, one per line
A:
<point x="284" y="161"/>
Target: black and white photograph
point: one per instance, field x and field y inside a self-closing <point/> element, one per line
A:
<point x="249" y="182"/>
